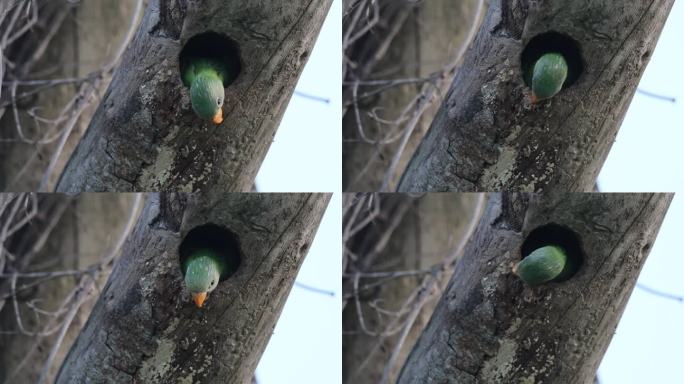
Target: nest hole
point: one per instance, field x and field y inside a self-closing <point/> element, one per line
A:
<point x="553" y="234"/>
<point x="217" y="239"/>
<point x="552" y="42"/>
<point x="216" y="46"/>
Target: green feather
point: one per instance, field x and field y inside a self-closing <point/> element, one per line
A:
<point x="198" y="65"/>
<point x="205" y="78"/>
<point x="542" y="265"/>
<point x="203" y="270"/>
<point x="548" y="75"/>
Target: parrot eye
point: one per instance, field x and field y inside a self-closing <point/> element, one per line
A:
<point x="218" y="101"/>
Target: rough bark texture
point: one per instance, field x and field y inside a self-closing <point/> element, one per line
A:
<point x="146" y="329"/>
<point x="85" y="232"/>
<point x="487" y="136"/>
<point x="489" y="327"/>
<point x="86" y="40"/>
<point x="431" y="34"/>
<point x="145" y="136"/>
<point x="426" y="236"/>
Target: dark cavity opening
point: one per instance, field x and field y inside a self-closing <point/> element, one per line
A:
<point x="217" y="239"/>
<point x="553" y="234"/>
<point x="216" y="46"/>
<point x="552" y="42"/>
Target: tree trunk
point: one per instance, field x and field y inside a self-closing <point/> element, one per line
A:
<point x="431" y="34"/>
<point x="145" y="136"/>
<point x="489" y="327"/>
<point x="488" y="137"/>
<point x="145" y="328"/>
<point x="425" y="237"/>
<point x="85" y="231"/>
<point x="87" y="37"/>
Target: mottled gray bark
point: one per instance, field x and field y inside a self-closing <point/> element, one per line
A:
<point x="430" y="36"/>
<point x="145" y="136"/>
<point x="487" y="136"/>
<point x="146" y="329"/>
<point x="489" y="327"/>
<point x="426" y="236"/>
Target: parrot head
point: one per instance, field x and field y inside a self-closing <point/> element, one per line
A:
<point x="548" y="76"/>
<point x="201" y="277"/>
<point x="207" y="95"/>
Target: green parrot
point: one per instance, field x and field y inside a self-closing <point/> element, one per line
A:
<point x="205" y="77"/>
<point x="202" y="270"/>
<point x="542" y="265"/>
<point x="548" y="75"/>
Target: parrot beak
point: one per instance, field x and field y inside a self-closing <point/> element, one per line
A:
<point x="533" y="98"/>
<point x="199" y="298"/>
<point x="218" y="117"/>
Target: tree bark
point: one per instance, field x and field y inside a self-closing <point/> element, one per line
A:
<point x="423" y="239"/>
<point x="144" y="136"/>
<point x="145" y="328"/>
<point x="431" y="33"/>
<point x="489" y="327"/>
<point x="488" y="137"/>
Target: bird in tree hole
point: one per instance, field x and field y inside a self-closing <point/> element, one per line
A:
<point x="548" y="75"/>
<point x="202" y="269"/>
<point x="206" y="77"/>
<point x="542" y="265"/>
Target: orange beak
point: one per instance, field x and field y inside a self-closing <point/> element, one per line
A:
<point x="515" y="268"/>
<point x="533" y="98"/>
<point x="218" y="117"/>
<point x="199" y="298"/>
